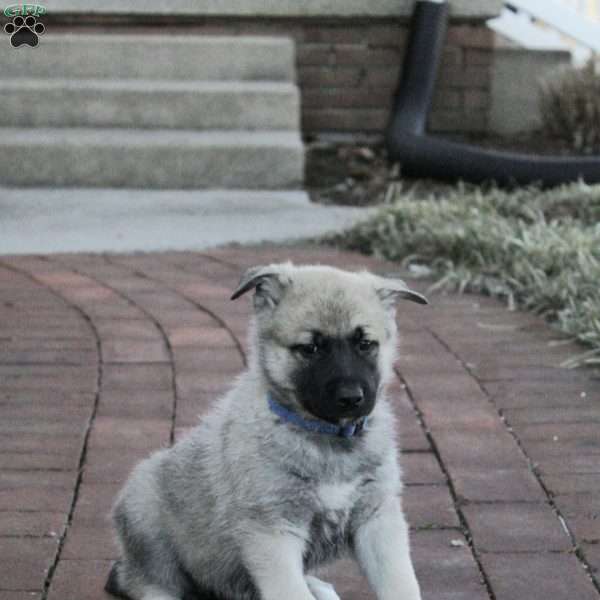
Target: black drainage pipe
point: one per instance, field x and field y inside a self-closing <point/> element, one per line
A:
<point x="423" y="155"/>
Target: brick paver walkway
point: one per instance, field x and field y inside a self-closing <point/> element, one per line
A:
<point x="103" y="359"/>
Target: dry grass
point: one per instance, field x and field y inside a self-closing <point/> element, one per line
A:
<point x="537" y="249"/>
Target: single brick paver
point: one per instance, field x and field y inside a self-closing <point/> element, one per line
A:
<point x="104" y="359"/>
<point x="481" y="484"/>
<point x="538" y="576"/>
<point x="515" y="527"/>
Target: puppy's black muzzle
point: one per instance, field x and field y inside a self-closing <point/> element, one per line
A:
<point x="340" y="384"/>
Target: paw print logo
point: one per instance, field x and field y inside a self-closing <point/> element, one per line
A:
<point x="24" y="31"/>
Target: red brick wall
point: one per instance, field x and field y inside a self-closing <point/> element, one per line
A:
<point x="348" y="69"/>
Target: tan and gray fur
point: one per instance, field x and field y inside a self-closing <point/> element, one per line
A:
<point x="246" y="506"/>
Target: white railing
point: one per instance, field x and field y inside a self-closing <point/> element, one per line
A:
<point x="552" y="24"/>
<point x="519" y="28"/>
<point x="564" y="19"/>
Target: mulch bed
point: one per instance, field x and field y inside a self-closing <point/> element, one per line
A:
<point x="359" y="173"/>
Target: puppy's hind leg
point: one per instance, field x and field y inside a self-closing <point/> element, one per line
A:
<point x="113" y="587"/>
<point x="321" y="590"/>
<point x="154" y="593"/>
<point x="142" y="592"/>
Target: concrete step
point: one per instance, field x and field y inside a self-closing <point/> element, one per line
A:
<point x="162" y="159"/>
<point x="154" y="56"/>
<point x="149" y="104"/>
<point x="308" y="9"/>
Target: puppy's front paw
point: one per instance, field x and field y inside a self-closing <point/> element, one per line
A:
<point x="321" y="589"/>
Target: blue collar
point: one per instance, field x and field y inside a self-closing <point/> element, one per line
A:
<point x="346" y="431"/>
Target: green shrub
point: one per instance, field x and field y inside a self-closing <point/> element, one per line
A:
<point x="537" y="249"/>
<point x="570" y="107"/>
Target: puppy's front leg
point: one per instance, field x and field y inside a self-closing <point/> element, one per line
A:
<point x="382" y="550"/>
<point x="274" y="560"/>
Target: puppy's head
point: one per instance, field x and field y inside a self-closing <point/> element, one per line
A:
<point x="325" y="338"/>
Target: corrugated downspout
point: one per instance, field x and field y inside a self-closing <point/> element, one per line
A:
<point x="423" y="155"/>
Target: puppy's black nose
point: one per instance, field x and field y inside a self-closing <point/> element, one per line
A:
<point x="349" y="395"/>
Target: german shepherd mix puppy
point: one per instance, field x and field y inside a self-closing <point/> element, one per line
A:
<point x="294" y="467"/>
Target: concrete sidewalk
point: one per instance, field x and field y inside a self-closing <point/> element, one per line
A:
<point x="106" y="358"/>
<point x="41" y="220"/>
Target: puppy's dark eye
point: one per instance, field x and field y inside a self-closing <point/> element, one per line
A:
<point x="366" y="345"/>
<point x="306" y="350"/>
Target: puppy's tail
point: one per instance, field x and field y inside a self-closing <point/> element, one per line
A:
<point x="113" y="587"/>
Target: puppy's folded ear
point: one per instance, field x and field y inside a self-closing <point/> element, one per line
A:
<point x="391" y="290"/>
<point x="269" y="283"/>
